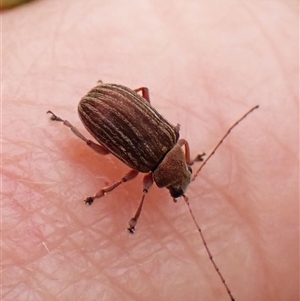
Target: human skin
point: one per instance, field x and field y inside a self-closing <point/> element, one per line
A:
<point x="205" y="65"/>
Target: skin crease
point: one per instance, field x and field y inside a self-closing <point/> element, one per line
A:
<point x="205" y="64"/>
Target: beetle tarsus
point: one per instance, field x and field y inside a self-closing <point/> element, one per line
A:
<point x="131" y="227"/>
<point x="89" y="200"/>
<point x="54" y="117"/>
<point x="131" y="230"/>
<point x="199" y="157"/>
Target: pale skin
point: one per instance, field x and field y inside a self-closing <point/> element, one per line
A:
<point x="205" y="65"/>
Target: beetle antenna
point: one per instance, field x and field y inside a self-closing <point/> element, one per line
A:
<point x="221" y="141"/>
<point x="190" y="210"/>
<point x="207" y="249"/>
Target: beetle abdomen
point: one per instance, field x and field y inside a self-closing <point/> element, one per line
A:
<point x="125" y="123"/>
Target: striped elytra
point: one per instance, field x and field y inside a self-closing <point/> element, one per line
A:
<point x="127" y="125"/>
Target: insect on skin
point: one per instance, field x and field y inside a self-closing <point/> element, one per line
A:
<point x="125" y="124"/>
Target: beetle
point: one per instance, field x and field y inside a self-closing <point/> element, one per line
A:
<point x="125" y="124"/>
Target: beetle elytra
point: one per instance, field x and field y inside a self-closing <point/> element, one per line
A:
<point x="125" y="124"/>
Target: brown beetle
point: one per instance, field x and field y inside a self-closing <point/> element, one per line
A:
<point x="127" y="126"/>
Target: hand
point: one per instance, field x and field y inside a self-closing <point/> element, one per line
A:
<point x="205" y="65"/>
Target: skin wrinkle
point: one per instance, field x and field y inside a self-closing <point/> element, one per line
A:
<point x="272" y="45"/>
<point x="250" y="222"/>
<point x="180" y="236"/>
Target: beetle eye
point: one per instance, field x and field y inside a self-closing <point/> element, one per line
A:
<point x="190" y="169"/>
<point x="176" y="193"/>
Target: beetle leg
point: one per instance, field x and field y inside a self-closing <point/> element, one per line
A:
<point x="145" y="93"/>
<point x="147" y="183"/>
<point x="102" y="192"/>
<point x="96" y="147"/>
<point x="183" y="142"/>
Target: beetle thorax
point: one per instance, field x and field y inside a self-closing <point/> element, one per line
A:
<point x="173" y="172"/>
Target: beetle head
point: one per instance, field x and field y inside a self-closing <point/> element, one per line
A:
<point x="173" y="172"/>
